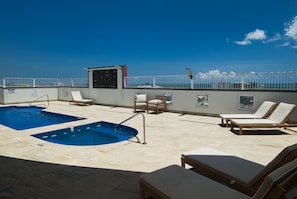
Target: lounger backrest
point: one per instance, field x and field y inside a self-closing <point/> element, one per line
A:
<point x="76" y="96"/>
<point x="286" y="155"/>
<point x="265" y="109"/>
<point x="282" y="112"/>
<point x="279" y="182"/>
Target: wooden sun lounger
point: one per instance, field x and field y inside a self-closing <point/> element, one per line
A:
<point x="175" y="182"/>
<point x="277" y="118"/>
<point x="235" y="172"/>
<point x="263" y="111"/>
<point x="77" y="98"/>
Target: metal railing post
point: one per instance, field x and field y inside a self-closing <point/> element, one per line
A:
<point x="242" y="81"/>
<point x="192" y="83"/>
<point x="154" y="81"/>
<point x="143" y="121"/>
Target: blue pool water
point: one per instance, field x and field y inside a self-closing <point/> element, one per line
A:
<point x="26" y="117"/>
<point x="90" y="134"/>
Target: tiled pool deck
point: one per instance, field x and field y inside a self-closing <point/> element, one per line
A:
<point x="32" y="168"/>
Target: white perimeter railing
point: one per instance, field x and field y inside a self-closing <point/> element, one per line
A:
<point x="232" y="81"/>
<point x="243" y="81"/>
<point x="43" y="82"/>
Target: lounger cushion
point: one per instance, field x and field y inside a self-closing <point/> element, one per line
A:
<point x="141" y="104"/>
<point x="276" y="178"/>
<point x="278" y="116"/>
<point x="155" y="101"/>
<point x="265" y="108"/>
<point x="262" y="111"/>
<point x="254" y="122"/>
<point x="239" y="116"/>
<point x="286" y="155"/>
<point x="76" y="96"/>
<point x="84" y="100"/>
<point x="179" y="183"/>
<point x="281" y="112"/>
<point x="222" y="168"/>
<point x="227" y="165"/>
<point x="141" y="98"/>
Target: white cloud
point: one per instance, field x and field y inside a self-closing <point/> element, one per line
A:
<point x="243" y="43"/>
<point x="276" y="37"/>
<point x="255" y="35"/>
<point x="216" y="73"/>
<point x="232" y="74"/>
<point x="291" y="29"/>
<point x="290" y="33"/>
<point x="285" y="44"/>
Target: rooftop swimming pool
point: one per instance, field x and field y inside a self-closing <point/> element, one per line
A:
<point x="90" y="134"/>
<point x="26" y="117"/>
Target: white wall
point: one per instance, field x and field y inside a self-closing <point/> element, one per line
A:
<point x="184" y="101"/>
<point x="21" y="95"/>
<point x="105" y="95"/>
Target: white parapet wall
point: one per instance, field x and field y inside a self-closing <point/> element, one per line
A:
<point x="187" y="101"/>
<point x="24" y="95"/>
<point x="106" y="87"/>
<point x="183" y="101"/>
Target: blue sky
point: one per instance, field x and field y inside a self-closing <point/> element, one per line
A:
<point x="58" y="38"/>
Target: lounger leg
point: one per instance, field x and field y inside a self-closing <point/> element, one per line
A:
<point x="183" y="164"/>
<point x="227" y="122"/>
<point x="141" y="191"/>
<point x="240" y="131"/>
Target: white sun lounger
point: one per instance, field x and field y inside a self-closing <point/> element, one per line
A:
<point x="77" y="98"/>
<point x="277" y="119"/>
<point x="263" y="111"/>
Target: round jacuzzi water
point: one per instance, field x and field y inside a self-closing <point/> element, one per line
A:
<point x="90" y="134"/>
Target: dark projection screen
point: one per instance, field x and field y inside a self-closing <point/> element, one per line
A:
<point x="105" y="78"/>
